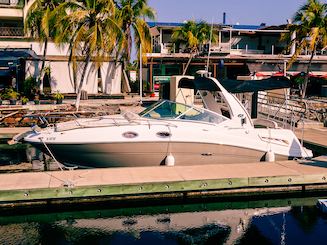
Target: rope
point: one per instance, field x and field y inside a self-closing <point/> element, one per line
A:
<point x="59" y="165"/>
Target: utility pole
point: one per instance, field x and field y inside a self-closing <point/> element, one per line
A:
<point x="140" y="73"/>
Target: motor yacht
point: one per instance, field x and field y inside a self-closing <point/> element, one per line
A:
<point x="212" y="127"/>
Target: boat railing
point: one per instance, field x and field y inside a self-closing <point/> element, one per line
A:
<point x="49" y="118"/>
<point x="63" y="121"/>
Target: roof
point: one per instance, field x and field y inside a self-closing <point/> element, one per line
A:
<point x="246" y="27"/>
<point x="15" y="54"/>
<point x="225" y="26"/>
<point x="165" y="24"/>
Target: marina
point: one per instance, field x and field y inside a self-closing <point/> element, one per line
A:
<point x="117" y="127"/>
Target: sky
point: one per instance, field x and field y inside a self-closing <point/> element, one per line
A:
<point x="244" y="12"/>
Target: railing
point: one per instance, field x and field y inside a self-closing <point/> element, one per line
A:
<point x="288" y="111"/>
<point x="11" y="31"/>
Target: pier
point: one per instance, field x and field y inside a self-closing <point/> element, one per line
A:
<point x="314" y="139"/>
<point x="163" y="182"/>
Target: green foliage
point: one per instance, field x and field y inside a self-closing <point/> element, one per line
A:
<point x="29" y="87"/>
<point x="47" y="71"/>
<point x="132" y="66"/>
<point x="10" y="93"/>
<point x="58" y="96"/>
<point x="24" y="100"/>
<point x="132" y="14"/>
<point x="193" y="35"/>
<point x="299" y="80"/>
<point x="310" y="27"/>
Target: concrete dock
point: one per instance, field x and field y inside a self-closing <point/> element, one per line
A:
<point x="129" y="183"/>
<point x="314" y="139"/>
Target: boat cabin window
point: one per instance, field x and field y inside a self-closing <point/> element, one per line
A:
<point x="172" y="110"/>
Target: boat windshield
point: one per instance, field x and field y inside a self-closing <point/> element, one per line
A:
<point x="171" y="110"/>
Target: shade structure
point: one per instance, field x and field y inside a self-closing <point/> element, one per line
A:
<point x="236" y="86"/>
<point x="200" y="83"/>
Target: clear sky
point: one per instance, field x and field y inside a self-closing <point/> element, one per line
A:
<point x="246" y="12"/>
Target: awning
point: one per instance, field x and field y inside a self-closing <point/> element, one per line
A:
<point x="15" y="54"/>
<point x="271" y="69"/>
<point x="5" y="72"/>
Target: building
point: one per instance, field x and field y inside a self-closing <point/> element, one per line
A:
<point x="242" y="51"/>
<point x="21" y="57"/>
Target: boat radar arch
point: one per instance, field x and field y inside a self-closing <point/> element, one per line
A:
<point x="204" y="73"/>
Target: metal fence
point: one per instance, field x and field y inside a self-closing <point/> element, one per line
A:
<point x="11" y="31"/>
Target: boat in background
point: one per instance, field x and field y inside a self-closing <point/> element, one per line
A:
<point x="212" y="127"/>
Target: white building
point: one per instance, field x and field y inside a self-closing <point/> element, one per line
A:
<point x="21" y="57"/>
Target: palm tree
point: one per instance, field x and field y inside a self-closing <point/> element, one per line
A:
<point x="310" y="26"/>
<point x="193" y="35"/>
<point x="132" y="14"/>
<point x="91" y="30"/>
<point x="39" y="24"/>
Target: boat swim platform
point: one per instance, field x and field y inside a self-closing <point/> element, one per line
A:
<point x="163" y="182"/>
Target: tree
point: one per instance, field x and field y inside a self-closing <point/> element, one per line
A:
<point x="132" y="14"/>
<point x="310" y="26"/>
<point x="91" y="30"/>
<point x="193" y="35"/>
<point x="39" y="24"/>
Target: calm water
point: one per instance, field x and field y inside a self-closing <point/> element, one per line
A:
<point x="251" y="222"/>
<point x="275" y="221"/>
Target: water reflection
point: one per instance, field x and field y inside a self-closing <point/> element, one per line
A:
<point x="209" y="223"/>
<point x="13" y="155"/>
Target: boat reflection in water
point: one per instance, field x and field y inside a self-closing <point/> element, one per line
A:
<point x="179" y="224"/>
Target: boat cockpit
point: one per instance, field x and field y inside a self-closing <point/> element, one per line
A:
<point x="166" y="109"/>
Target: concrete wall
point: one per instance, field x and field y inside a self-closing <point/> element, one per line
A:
<point x="9" y="13"/>
<point x="62" y="76"/>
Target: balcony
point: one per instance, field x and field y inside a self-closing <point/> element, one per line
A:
<point x="11" y="31"/>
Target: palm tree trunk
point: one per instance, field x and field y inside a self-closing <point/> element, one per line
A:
<point x="80" y="86"/>
<point x="306" y="78"/>
<point x="40" y="80"/>
<point x="188" y="63"/>
<point x="129" y="44"/>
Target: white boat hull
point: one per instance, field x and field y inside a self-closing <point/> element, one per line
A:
<point x="151" y="154"/>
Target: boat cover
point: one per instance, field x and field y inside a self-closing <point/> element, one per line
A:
<point x="235" y="86"/>
<point x="199" y="83"/>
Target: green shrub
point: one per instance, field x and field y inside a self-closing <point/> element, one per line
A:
<point x="10" y="93"/>
<point x="29" y="87"/>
